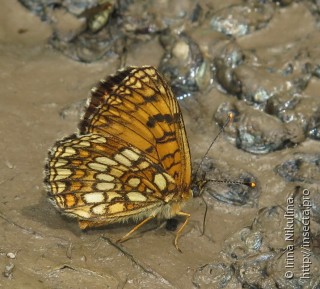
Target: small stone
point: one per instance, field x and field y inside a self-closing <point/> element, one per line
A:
<point x="11" y="255"/>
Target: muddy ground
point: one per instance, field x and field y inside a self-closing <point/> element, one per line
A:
<point x="41" y="249"/>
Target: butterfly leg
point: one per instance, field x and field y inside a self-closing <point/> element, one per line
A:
<point x="187" y="216"/>
<point x="126" y="236"/>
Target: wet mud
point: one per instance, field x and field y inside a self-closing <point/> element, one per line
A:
<point x="257" y="59"/>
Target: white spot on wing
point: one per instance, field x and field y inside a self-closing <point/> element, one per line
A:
<point x="66" y="172"/>
<point x="105" y="161"/>
<point x="99" y="139"/>
<point x="66" y="152"/>
<point x="160" y="181"/>
<point x="104" y="177"/>
<point x="138" y="84"/>
<point x="134" y="182"/>
<point x="60" y="163"/>
<point x="143" y="165"/>
<point x="93" y="197"/>
<point x="97" y="167"/>
<point x="136" y="197"/>
<point x="131" y="155"/>
<point x="122" y="159"/>
<point x="99" y="209"/>
<point x="105" y="186"/>
<point x="84" y="144"/>
<point x="61" y="174"/>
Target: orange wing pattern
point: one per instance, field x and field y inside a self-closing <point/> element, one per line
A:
<point x="138" y="106"/>
<point x="131" y="157"/>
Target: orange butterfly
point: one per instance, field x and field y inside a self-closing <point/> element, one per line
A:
<point x="130" y="159"/>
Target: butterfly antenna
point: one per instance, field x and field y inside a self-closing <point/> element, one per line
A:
<point x="201" y="183"/>
<point x="248" y="183"/>
<point x="229" y="119"/>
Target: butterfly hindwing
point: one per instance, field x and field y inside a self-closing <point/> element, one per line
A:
<point x="116" y="181"/>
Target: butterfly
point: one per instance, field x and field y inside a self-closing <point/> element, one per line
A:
<point x="130" y="159"/>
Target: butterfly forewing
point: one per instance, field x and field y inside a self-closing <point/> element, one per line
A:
<point x="138" y="106"/>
